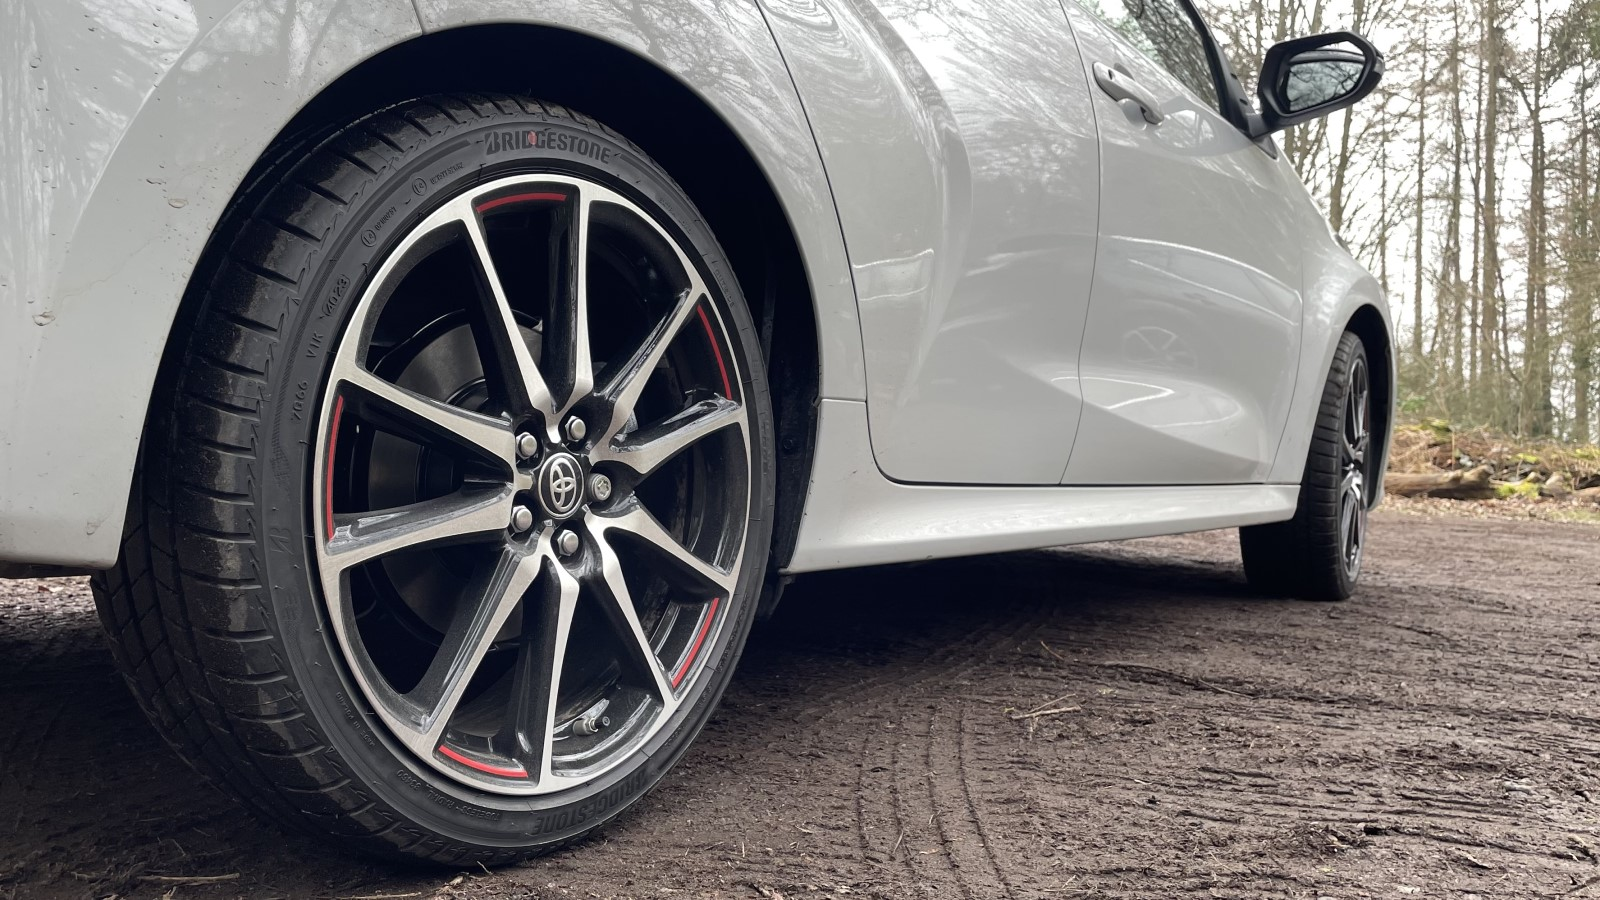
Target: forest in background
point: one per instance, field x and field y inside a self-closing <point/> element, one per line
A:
<point x="1468" y="183"/>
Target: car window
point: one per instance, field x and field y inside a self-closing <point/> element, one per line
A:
<point x="1163" y="31"/>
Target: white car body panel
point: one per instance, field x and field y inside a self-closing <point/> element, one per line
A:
<point x="137" y="122"/>
<point x="962" y="153"/>
<point x="1193" y="339"/>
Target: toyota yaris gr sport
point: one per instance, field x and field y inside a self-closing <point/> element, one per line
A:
<point x="440" y="390"/>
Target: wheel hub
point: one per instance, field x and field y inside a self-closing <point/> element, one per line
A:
<point x="560" y="484"/>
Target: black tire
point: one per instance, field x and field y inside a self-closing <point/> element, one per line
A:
<point x="215" y="611"/>
<point x="1316" y="555"/>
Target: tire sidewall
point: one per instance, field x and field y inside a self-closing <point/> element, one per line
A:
<point x="411" y="180"/>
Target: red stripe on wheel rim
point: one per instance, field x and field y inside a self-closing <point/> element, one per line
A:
<point x="716" y="348"/>
<point x="333" y="444"/>
<point x="539" y="196"/>
<point x="471" y="763"/>
<point x="694" y="651"/>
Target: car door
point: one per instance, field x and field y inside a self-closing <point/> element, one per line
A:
<point x="959" y="142"/>
<point x="1193" y="335"/>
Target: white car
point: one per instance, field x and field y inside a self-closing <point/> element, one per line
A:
<point x="441" y="389"/>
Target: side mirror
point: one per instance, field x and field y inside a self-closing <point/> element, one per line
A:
<point x="1308" y="78"/>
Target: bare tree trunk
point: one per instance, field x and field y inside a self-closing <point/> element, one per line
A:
<point x="1535" y="414"/>
<point x="1475" y="351"/>
<point x="1416" y="247"/>
<point x="1492" y="341"/>
<point x="1580" y="295"/>
<point x="1583" y="254"/>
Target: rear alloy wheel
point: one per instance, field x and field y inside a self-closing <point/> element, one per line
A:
<point x="1317" y="555"/>
<point x="536" y="488"/>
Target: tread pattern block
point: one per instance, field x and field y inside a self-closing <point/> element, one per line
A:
<point x="185" y="609"/>
<point x="1301" y="557"/>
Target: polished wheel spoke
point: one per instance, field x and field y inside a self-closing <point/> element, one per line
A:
<point x="461" y="517"/>
<point x="628" y="383"/>
<point x="490" y="596"/>
<point x="423" y="419"/>
<point x="676" y="562"/>
<point x="617" y="605"/>
<point x="506" y="357"/>
<point x="647" y="449"/>
<point x="536" y="677"/>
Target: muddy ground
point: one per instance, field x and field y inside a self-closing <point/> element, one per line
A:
<point x="1439" y="736"/>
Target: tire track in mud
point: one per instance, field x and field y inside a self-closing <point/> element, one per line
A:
<point x="864" y="693"/>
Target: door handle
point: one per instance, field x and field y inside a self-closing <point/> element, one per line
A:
<point x="1117" y="83"/>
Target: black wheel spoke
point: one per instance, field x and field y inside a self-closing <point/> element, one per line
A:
<point x="671" y="559"/>
<point x="627" y="384"/>
<point x="567" y="355"/>
<point x="507" y="361"/>
<point x="491" y="595"/>
<point x="616" y="603"/>
<point x="536" y="676"/>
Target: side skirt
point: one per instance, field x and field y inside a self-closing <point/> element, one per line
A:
<point x="854" y="516"/>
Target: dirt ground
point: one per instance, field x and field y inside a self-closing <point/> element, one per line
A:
<point x="1438" y="736"/>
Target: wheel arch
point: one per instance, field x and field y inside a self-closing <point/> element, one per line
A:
<point x="1339" y="296"/>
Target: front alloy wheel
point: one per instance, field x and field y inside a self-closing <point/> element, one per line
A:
<point x="519" y="393"/>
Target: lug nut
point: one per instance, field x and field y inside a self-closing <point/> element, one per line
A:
<point x="521" y="518"/>
<point x="567" y="543"/>
<point x="600" y="487"/>
<point x="574" y="429"/>
<point x="590" y="724"/>
<point x="527" y="445"/>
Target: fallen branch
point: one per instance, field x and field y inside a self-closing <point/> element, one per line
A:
<point x="190" y="879"/>
<point x="1186" y="679"/>
<point x="1045" y="712"/>
<point x="1469" y="859"/>
<point x="1475" y="484"/>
